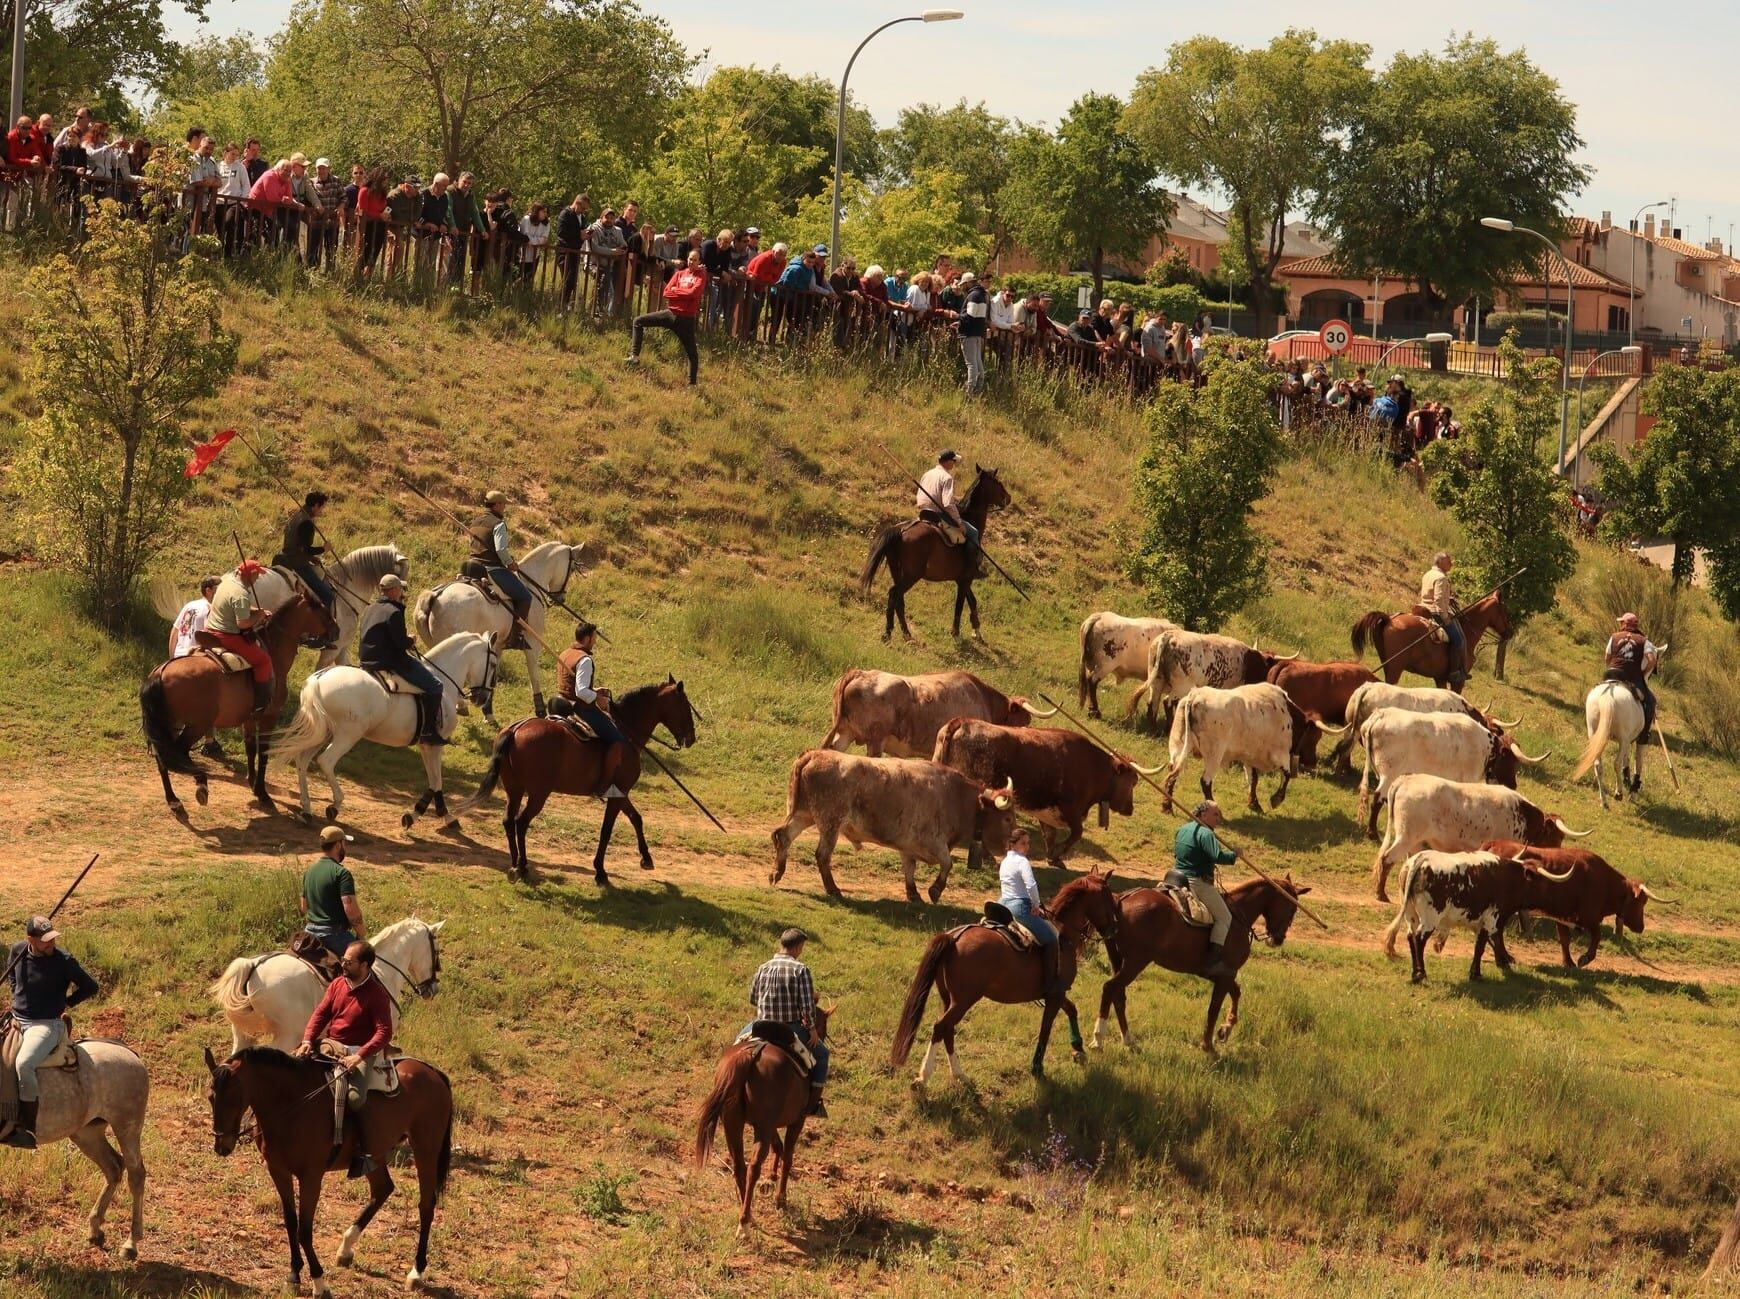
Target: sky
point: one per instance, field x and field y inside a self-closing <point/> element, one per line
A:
<point x="1655" y="105"/>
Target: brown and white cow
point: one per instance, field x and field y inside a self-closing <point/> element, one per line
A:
<point x="1322" y="691"/>
<point x="1057" y="775"/>
<point x="1453" y="816"/>
<point x="922" y="810"/>
<point x="1181" y="660"/>
<point x="899" y="716"/>
<point x="1461" y="890"/>
<point x="1590" y="892"/>
<point x="1256" y="725"/>
<point x="1114" y="648"/>
<point x="1367" y="699"/>
<point x="1397" y="743"/>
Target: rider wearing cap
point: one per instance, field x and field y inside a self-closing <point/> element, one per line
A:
<point x="46" y="983"/>
<point x="328" y="902"/>
<point x="353" y="1026"/>
<point x="1630" y="657"/>
<point x="578" y="696"/>
<point x="1438" y="598"/>
<point x="1020" y="897"/>
<point x="936" y="501"/>
<point x="489" y="547"/>
<point x="783" y="992"/>
<point x="384" y="645"/>
<point x="1196" y="852"/>
<point x="234" y="623"/>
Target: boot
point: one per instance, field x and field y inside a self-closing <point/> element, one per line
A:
<point x="23" y="1136"/>
<point x="1214" y="965"/>
<point x="429" y="720"/>
<point x="262" y="697"/>
<point x="817" y="1109"/>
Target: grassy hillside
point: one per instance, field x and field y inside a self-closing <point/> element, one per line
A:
<point x="1544" y="1133"/>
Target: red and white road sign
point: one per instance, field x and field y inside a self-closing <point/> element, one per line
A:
<point x="1336" y="336"/>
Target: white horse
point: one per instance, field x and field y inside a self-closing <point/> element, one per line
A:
<point x="1613" y="713"/>
<point x="341" y="705"/>
<point x="268" y="999"/>
<point x="460" y="606"/>
<point x="110" y="1088"/>
<point x="356" y="578"/>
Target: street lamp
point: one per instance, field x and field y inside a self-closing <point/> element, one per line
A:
<point x="17" y="60"/>
<point x="1508" y="227"/>
<point x="1631" y="303"/>
<point x="926" y="16"/>
<point x="1631" y="349"/>
<point x="1424" y="338"/>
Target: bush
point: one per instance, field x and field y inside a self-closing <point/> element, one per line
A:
<point x="1711" y="698"/>
<point x="1498" y="322"/>
<point x="1179" y="301"/>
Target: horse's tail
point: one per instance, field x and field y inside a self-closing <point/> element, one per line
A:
<point x="237" y="1003"/>
<point x="491" y="776"/>
<point x="1598" y="737"/>
<point x="160" y="728"/>
<point x="1371" y="626"/>
<point x="881" y="551"/>
<point x="444" y="1161"/>
<point x="918" y="994"/>
<point x="728" y="1083"/>
<point x="308" y="731"/>
<point x="424" y="616"/>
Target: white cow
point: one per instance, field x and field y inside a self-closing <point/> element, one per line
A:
<point x="1181" y="660"/>
<point x="1373" y="695"/>
<point x="1256" y="725"/>
<point x="1114" y="648"/>
<point x="1398" y="742"/>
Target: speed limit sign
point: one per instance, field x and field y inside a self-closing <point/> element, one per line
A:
<point x="1337" y="337"/>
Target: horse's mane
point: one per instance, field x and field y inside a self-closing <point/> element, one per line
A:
<point x="396" y="928"/>
<point x="978" y="477"/>
<point x="370" y="563"/>
<point x="1072" y="891"/>
<point x="458" y="635"/>
<point x="644" y="693"/>
<point x="270" y="1056"/>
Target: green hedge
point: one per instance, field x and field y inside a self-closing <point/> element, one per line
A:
<point x="1499" y="321"/>
<point x="1179" y="301"/>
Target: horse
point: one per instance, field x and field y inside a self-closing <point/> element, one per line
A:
<point x="971" y="962"/>
<point x="461" y="606"/>
<point x="186" y="699"/>
<point x="537" y="757"/>
<point x="918" y="552"/>
<point x="355" y="578"/>
<point x="292" y="1104"/>
<point x="270" y="999"/>
<point x="341" y="705"/>
<point x="766" y="1090"/>
<point x="1417" y="647"/>
<point x="109" y="1089"/>
<point x="1150" y="930"/>
<point x="1613" y="713"/>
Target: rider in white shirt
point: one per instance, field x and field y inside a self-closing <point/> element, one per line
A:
<point x="1020" y="897"/>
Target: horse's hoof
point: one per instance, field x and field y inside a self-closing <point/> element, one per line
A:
<point x="1208" y="1050"/>
<point x="934" y="893"/>
<point x="130" y="1252"/>
<point x="406" y="821"/>
<point x="1383" y="895"/>
<point x="346" y="1259"/>
<point x="97" y="1238"/>
<point x="1077" y="1055"/>
<point x="646" y="863"/>
<point x="201" y="794"/>
<point x="918" y="1087"/>
<point x="601" y="879"/>
<point x="321" y="1289"/>
<point x="912" y="896"/>
<point x="1223" y="1032"/>
<point x="176" y="810"/>
<point x="1094" y="1043"/>
<point x="413" y="1280"/>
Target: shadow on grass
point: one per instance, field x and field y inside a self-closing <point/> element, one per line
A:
<point x="660" y="908"/>
<point x="862" y="1229"/>
<point x="1555" y="986"/>
<point x="1683" y="821"/>
<point x="68" y="1281"/>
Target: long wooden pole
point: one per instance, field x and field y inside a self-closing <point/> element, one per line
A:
<point x="1245" y="858"/>
<point x="1083" y="728"/>
<point x="1661" y="734"/>
<point x="933" y="500"/>
<point x="55" y="911"/>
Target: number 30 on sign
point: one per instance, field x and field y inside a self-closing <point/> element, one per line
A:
<point x="1337" y="337"/>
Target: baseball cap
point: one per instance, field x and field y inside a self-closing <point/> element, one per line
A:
<point x="1627" y="618"/>
<point x="298" y="159"/>
<point x="820" y="250"/>
<point x="42" y="929"/>
<point x="323" y="162"/>
<point x="753" y="230"/>
<point x="391" y="582"/>
<point x="412" y="179"/>
<point x="334" y="834"/>
<point x="948" y="455"/>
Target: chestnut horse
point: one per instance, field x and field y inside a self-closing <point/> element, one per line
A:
<point x="918" y="552"/>
<point x="292" y="1104"/>
<point x="1406" y="642"/>
<point x="540" y="756"/>
<point x="1150" y="931"/>
<point x="972" y="962"/>
<point x="186" y="699"/>
<point x="767" y="1090"/>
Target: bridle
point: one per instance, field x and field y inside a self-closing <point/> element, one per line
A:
<point x="425" y="989"/>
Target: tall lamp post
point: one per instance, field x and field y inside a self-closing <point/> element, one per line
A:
<point x="1631" y="350"/>
<point x="1631" y="303"/>
<point x="926" y="16"/>
<point x="17" y="62"/>
<point x="1509" y="227"/>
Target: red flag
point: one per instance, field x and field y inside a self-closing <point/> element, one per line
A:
<point x="206" y="452"/>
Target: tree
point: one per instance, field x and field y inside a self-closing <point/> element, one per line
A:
<point x="1510" y="504"/>
<point x="968" y="140"/>
<point x="1439" y="143"/>
<point x="907" y="225"/>
<point x="1085" y="194"/>
<point x="86" y="52"/>
<point x="1211" y="452"/>
<point x="219" y="84"/>
<point x="1250" y="123"/>
<point x="130" y="327"/>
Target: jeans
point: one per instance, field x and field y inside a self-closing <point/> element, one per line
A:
<point x="1211" y="897"/>
<point x="973" y="350"/>
<point x="333" y="940"/>
<point x="1458" y="650"/>
<point x="818" y="1075"/>
<point x="38" y="1039"/>
<point x="309" y="572"/>
<point x="682" y="326"/>
<point x="601" y="723"/>
<point x="1042" y="929"/>
<point x="509" y="584"/>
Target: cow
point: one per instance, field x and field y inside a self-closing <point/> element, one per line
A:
<point x="1256" y="725"/>
<point x="1398" y="742"/>
<point x="1114" y="648"/>
<point x="1454" y="816"/>
<point x="1179" y="660"/>
<point x="899" y="716"/>
<point x="1367" y="699"/>
<point x="1589" y="893"/>
<point x="1322" y="691"/>
<point x="1461" y="890"/>
<point x="920" y="809"/>
<point x="1056" y="775"/>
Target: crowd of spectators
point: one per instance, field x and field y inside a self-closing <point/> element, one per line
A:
<point x="1308" y="394"/>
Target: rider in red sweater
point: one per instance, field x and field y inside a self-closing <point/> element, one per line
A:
<point x="356" y="1014"/>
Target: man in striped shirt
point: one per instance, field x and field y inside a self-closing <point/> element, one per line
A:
<point x="783" y="992"/>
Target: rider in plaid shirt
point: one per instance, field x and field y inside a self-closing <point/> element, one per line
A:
<point x="783" y="991"/>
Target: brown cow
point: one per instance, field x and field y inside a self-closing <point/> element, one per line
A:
<point x="1321" y="690"/>
<point x="1057" y="775"/>
<point x="900" y="715"/>
<point x="1594" y="891"/>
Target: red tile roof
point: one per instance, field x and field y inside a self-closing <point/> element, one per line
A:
<point x="1582" y="277"/>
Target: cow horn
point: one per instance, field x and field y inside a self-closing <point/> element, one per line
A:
<point x="1543" y="872"/>
<point x="1565" y="829"/>
<point x="1148" y="771"/>
<point x="1517" y="749"/>
<point x="1325" y="726"/>
<point x="1035" y="712"/>
<point x="1286" y="658"/>
<point x="1656" y="897"/>
<point x="1504" y="725"/>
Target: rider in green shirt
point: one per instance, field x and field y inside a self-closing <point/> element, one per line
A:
<point x="329" y="907"/>
<point x="1196" y="852"/>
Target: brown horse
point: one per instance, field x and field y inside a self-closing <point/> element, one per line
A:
<point x="767" y="1090"/>
<point x="918" y="552"/>
<point x="1406" y="642"/>
<point x="292" y="1104"/>
<point x="186" y="699"/>
<point x="540" y="756"/>
<point x="1150" y="931"/>
<point x="972" y="962"/>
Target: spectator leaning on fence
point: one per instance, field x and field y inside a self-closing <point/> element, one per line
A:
<point x="372" y="220"/>
<point x="971" y="326"/>
<point x="535" y="231"/>
<point x="570" y="241"/>
<point x="466" y="221"/>
<point x="607" y="244"/>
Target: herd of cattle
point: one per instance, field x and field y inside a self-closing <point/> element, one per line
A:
<point x="1475" y="850"/>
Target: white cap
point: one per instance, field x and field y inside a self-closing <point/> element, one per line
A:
<point x="323" y="162"/>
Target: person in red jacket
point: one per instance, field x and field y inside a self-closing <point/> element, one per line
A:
<point x="352" y="1026"/>
<point x="684" y="293"/>
<point x="763" y="271"/>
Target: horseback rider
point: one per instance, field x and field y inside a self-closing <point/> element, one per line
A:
<point x="301" y="553"/>
<point x="1438" y="599"/>
<point x="184" y="641"/>
<point x="1630" y="657"/>
<point x="936" y="505"/>
<point x="46" y="983"/>
<point x="577" y="696"/>
<point x="386" y="646"/>
<point x="328" y="901"/>
<point x="352" y="1026"/>
<point x="783" y="992"/>
<point x="234" y="624"/>
<point x="1020" y="897"/>
<point x="489" y="548"/>
<point x="1195" y="854"/>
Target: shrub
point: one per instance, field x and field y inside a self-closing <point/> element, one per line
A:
<point x="1499" y="322"/>
<point x="1179" y="301"/>
<point x="1711" y="698"/>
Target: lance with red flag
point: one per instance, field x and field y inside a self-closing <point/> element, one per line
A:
<point x="206" y="452"/>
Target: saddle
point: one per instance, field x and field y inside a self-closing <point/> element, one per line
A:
<point x="313" y="953"/>
<point x="472" y="573"/>
<point x="1189" y="905"/>
<point x="228" y="660"/>
<point x="768" y="1032"/>
<point x="1614" y="675"/>
<point x="950" y="530"/>
<point x="998" y="920"/>
<point x="392" y="682"/>
<point x="1439" y="631"/>
<point x="574" y="722"/>
<point x="64" y="1057"/>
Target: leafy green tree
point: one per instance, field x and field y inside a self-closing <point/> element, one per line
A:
<point x="91" y="53"/>
<point x="968" y="140"/>
<point x="1087" y="193"/>
<point x="1441" y="141"/>
<point x="1510" y="504"/>
<point x="127" y="329"/>
<point x="1210" y="456"/>
<point x="906" y="225"/>
<point x="1251" y="124"/>
<point x="218" y="83"/>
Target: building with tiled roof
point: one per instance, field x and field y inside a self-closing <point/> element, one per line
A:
<point x="1684" y="289"/>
